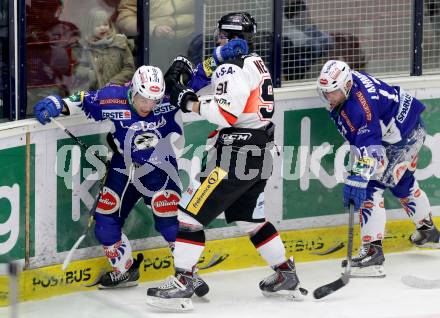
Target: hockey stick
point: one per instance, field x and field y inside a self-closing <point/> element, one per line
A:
<point x="76" y="139"/>
<point x="421" y="283"/>
<point x="327" y="289"/>
<point x="68" y="258"/>
<point x="89" y="223"/>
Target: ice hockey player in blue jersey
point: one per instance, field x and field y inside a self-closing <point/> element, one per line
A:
<point x="382" y="123"/>
<point x="146" y="131"/>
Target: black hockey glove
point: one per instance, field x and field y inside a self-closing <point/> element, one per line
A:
<point x="181" y="95"/>
<point x="181" y="71"/>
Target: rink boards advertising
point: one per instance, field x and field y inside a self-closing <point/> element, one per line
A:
<point x="47" y="186"/>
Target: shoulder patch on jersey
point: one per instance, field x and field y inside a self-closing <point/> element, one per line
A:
<point x="364" y="104"/>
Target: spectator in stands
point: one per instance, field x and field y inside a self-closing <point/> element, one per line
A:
<point x="172" y="27"/>
<point x="49" y="44"/>
<point x="305" y="45"/>
<point x="106" y="56"/>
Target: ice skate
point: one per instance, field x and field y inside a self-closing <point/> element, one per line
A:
<point x="284" y="282"/>
<point x="368" y="263"/>
<point x="114" y="279"/>
<point x="201" y="288"/>
<point x="426" y="236"/>
<point x="174" y="294"/>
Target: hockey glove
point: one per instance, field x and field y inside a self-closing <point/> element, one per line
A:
<point x="180" y="71"/>
<point x="234" y="48"/>
<point x="47" y="108"/>
<point x="355" y="190"/>
<point x="181" y="95"/>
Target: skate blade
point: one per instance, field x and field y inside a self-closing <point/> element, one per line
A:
<point x="290" y="295"/>
<point x="376" y="271"/>
<point x="429" y="245"/>
<point x="121" y="285"/>
<point x="170" y="304"/>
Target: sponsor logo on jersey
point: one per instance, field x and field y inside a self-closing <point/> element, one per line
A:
<point x="164" y="203"/>
<point x="222" y="102"/>
<point x="348" y="121"/>
<point x="146" y="126"/>
<point x="366" y="108"/>
<point x="117" y="101"/>
<point x="117" y="114"/>
<point x="363" y="130"/>
<point x="205" y="189"/>
<point x="236" y="137"/>
<point x="405" y="105"/>
<point x="108" y="201"/>
<point x="145" y="141"/>
<point x="162" y="109"/>
<point x="154" y="88"/>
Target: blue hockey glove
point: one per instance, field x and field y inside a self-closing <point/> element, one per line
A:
<point x="355" y="190"/>
<point x="47" y="108"/>
<point x="234" y="48"/>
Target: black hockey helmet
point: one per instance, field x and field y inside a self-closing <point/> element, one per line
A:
<point x="238" y="24"/>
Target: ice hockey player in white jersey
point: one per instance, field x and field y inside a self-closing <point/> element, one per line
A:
<point x="383" y="125"/>
<point x="242" y="106"/>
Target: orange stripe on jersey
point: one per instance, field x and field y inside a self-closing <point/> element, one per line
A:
<point x="253" y="102"/>
<point x="231" y="119"/>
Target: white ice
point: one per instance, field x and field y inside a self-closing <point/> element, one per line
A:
<point x="236" y="294"/>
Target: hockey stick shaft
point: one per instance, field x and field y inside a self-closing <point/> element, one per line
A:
<point x="69" y="256"/>
<point x="327" y="289"/>
<point x="76" y="139"/>
<point x="75" y="246"/>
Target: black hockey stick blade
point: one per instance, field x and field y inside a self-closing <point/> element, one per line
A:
<point x="330" y="250"/>
<point x="215" y="260"/>
<point x="330" y="288"/>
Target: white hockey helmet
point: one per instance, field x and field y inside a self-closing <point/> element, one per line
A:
<point x="334" y="75"/>
<point x="148" y="81"/>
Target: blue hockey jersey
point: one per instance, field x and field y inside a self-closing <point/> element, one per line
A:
<point x="148" y="139"/>
<point x="374" y="116"/>
<point x="376" y="113"/>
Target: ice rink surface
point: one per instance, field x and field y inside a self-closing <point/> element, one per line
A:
<point x="236" y="294"/>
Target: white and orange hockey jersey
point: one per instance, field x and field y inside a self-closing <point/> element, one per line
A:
<point x="243" y="94"/>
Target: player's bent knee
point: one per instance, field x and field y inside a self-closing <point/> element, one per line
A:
<point x="107" y="230"/>
<point x="250" y="228"/>
<point x="167" y="227"/>
<point x="187" y="223"/>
